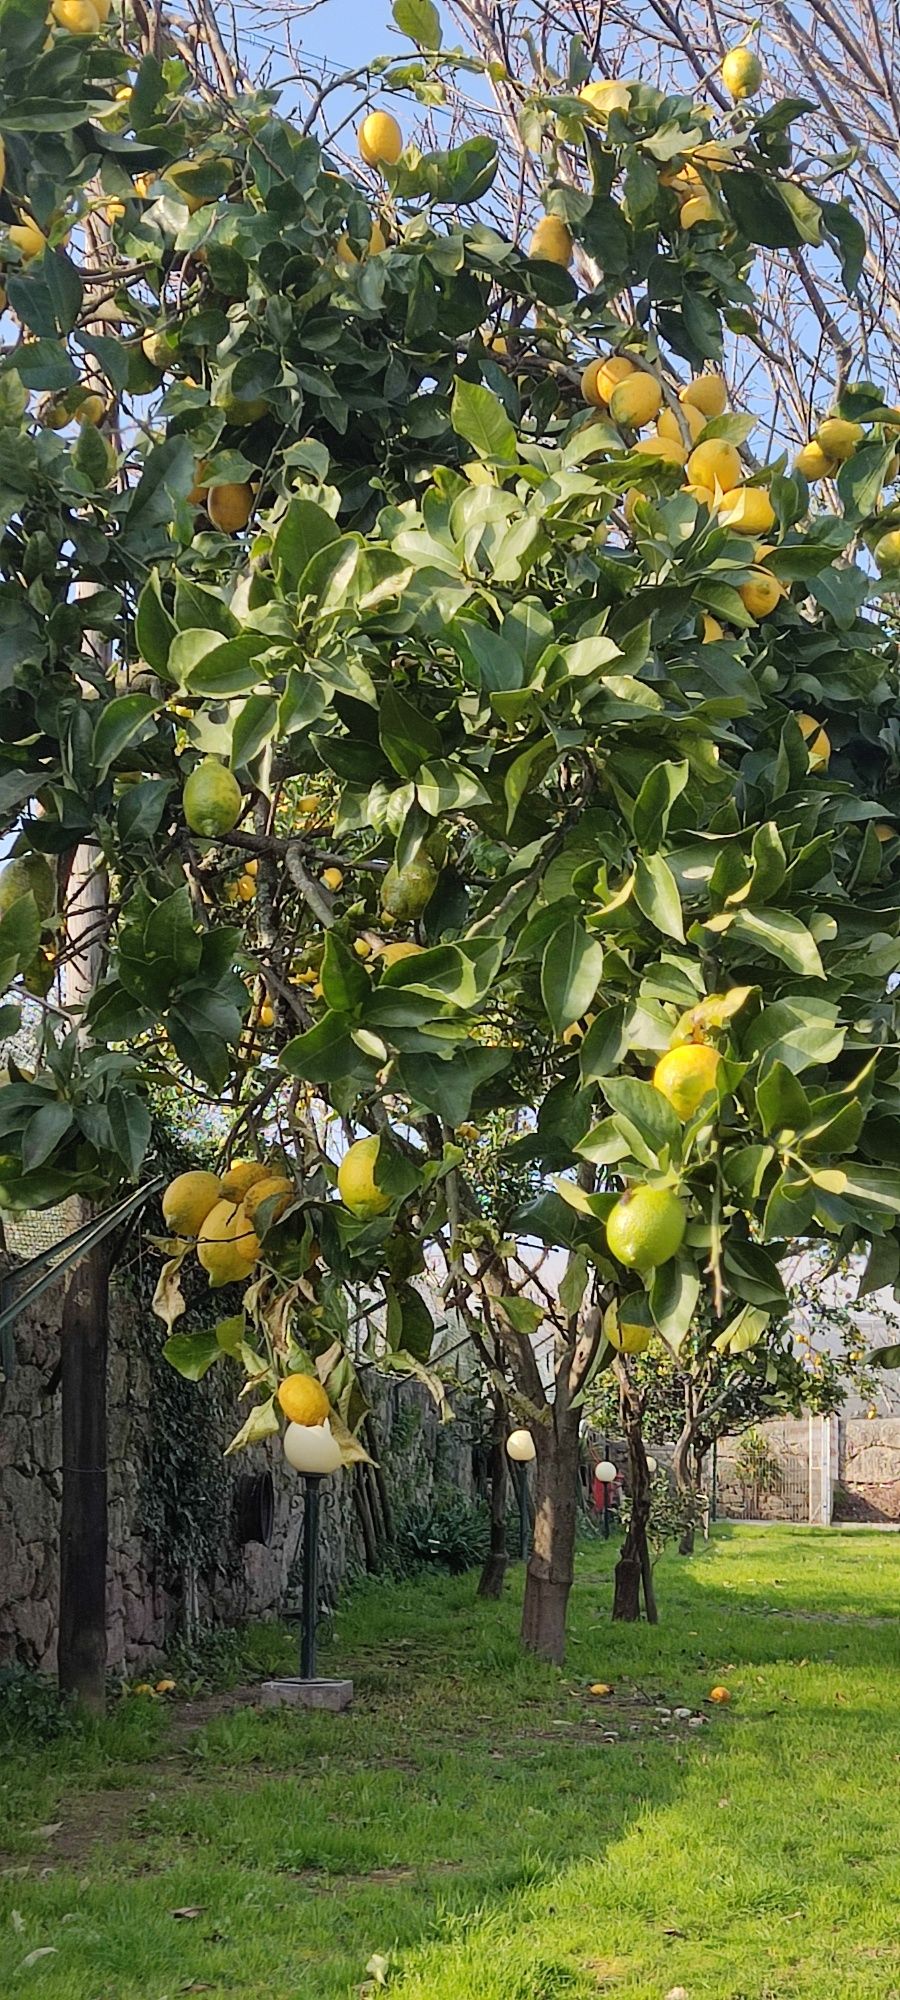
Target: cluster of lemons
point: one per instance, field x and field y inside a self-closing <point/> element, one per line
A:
<point x="218" y="1213"/>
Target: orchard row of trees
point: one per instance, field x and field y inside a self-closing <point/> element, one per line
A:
<point x="424" y="702"/>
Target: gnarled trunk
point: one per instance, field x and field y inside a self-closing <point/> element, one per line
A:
<point x="494" y="1571"/>
<point x="633" y="1569"/>
<point x="551" y="1565"/>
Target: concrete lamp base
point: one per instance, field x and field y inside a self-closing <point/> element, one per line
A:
<point x="296" y="1693"/>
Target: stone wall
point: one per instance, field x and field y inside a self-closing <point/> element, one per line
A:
<point x="151" y="1593"/>
<point x="869" y="1470"/>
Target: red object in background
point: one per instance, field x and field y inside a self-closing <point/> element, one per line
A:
<point x="600" y="1486"/>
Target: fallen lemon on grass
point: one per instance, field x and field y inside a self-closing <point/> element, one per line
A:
<point x="686" y="1075"/>
<point x="303" y="1399"/>
<point x="600" y="1688"/>
<point x="720" y="1695"/>
<point x="188" y="1201"/>
<point x="357" y="1186"/>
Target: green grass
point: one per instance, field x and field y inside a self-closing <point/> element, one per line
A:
<point x="486" y="1826"/>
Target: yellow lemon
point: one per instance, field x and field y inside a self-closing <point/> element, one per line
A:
<point x="715" y="463"/>
<point x="246" y="888"/>
<point x="332" y="878"/>
<point x="265" y="1190"/>
<point x="91" y="410"/>
<point x="377" y="243"/>
<point x="78" y="17"/>
<point x="838" y="438"/>
<point x="887" y="551"/>
<point x="380" y="140"/>
<point x="700" y="209"/>
<point x="27" y="237"/>
<point x="303" y="1399"/>
<point x="391" y="954"/>
<point x="669" y="426"/>
<point x="552" y="242"/>
<point x="741" y="73"/>
<point x="761" y="594"/>
<point x="229" y="507"/>
<point x="602" y="376"/>
<point x="241" y="1176"/>
<point x="266" y="1015"/>
<point x="669" y="449"/>
<point x="814" y="463"/>
<point x="748" y="509"/>
<point x="637" y="401"/>
<point x="646" y="1227"/>
<point x="686" y="1075"/>
<point x="357" y="1186"/>
<point x="708" y="393"/>
<point x="212" y="799"/>
<point x="188" y="1200"/>
<point x="720" y="1695"/>
<point x="628" y="1324"/>
<point x="817" y="740"/>
<point x="227" y="1247"/>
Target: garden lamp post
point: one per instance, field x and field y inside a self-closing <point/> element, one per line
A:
<point x="606" y="1473"/>
<point x="310" y="1450"/>
<point x="521" y="1449"/>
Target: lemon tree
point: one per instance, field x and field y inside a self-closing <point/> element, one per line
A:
<point x="510" y="741"/>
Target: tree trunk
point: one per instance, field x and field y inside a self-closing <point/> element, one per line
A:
<point x="550" y="1571"/>
<point x="494" y="1571"/>
<point x="633" y="1567"/>
<point x="83" y="1523"/>
<point x="683" y="1470"/>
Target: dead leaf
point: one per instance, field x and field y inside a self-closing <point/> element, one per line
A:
<point x="17" y="1920"/>
<point x="47" y="1832"/>
<point x="189" y="1910"/>
<point x="379" y="1968"/>
<point x="43" y="1951"/>
<point x="168" y="1298"/>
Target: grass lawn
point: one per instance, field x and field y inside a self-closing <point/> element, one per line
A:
<point x="483" y="1823"/>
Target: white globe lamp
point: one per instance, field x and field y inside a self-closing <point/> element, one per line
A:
<point x="521" y="1447"/>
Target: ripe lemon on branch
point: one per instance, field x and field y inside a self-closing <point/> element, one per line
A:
<point x="212" y="799"/>
<point x="188" y="1200"/>
<point x="380" y="140"/>
<point x="646" y="1227"/>
<point x="303" y="1399"/>
<point x="686" y="1075"/>
<point x="227" y="1245"/>
<point x="357" y="1186"/>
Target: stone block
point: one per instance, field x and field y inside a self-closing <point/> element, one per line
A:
<point x="306" y="1694"/>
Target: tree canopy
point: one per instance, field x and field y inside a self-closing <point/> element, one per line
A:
<point x="460" y="727"/>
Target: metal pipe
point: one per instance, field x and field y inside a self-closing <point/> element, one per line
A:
<point x="524" y="1523"/>
<point x="310" y="1607"/>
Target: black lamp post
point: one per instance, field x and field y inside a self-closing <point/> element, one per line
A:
<point x="521" y="1450"/>
<point x="315" y="1454"/>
